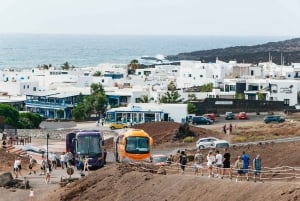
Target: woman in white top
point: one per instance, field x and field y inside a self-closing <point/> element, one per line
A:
<point x="219" y="163"/>
<point x="211" y="159"/>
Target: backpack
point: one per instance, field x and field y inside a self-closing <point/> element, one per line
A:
<point x="183" y="159"/>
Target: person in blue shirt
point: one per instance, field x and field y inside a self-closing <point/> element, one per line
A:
<point x="246" y="159"/>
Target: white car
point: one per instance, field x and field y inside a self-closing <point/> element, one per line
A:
<point x="207" y="142"/>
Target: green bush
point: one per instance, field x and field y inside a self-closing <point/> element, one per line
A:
<point x="188" y="139"/>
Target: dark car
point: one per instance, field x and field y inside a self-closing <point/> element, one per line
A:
<point x="201" y="120"/>
<point x="229" y="116"/>
<point x="273" y="118"/>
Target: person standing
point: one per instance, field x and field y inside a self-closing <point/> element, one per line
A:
<point x="86" y="164"/>
<point x="69" y="157"/>
<point x="182" y="160"/>
<point x="226" y="163"/>
<point x="257" y="168"/>
<point x="104" y="156"/>
<point x="239" y="165"/>
<point x="31" y="195"/>
<point x="53" y="160"/>
<point x="211" y="159"/>
<point x="62" y="160"/>
<point x="48" y="172"/>
<point x="246" y="159"/>
<point x="219" y="163"/>
<point x="31" y="161"/>
<point x="198" y="158"/>
<point x="16" y="167"/>
<point x="43" y="166"/>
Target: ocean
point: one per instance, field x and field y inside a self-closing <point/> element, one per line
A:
<point x="29" y="50"/>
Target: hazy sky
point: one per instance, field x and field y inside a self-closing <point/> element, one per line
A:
<point x="152" y="17"/>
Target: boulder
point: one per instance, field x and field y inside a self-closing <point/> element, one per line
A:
<point x="5" y="179"/>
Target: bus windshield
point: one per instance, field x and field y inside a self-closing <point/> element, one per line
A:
<point x="88" y="145"/>
<point x="137" y="145"/>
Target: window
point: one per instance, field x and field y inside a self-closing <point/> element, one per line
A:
<point x="252" y="72"/>
<point x="286" y="101"/>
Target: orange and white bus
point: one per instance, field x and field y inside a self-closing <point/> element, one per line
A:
<point x="132" y="144"/>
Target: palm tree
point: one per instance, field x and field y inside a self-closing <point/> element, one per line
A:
<point x="144" y="99"/>
<point x="66" y="66"/>
<point x="171" y="97"/>
<point x="132" y="66"/>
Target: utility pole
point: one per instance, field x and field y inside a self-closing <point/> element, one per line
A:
<point x="47" y="146"/>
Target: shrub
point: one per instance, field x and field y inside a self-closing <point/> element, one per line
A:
<point x="240" y="138"/>
<point x="188" y="139"/>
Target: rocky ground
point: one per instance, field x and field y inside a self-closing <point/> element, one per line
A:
<point x="141" y="182"/>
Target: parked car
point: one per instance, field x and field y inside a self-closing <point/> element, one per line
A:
<point x="201" y="120"/>
<point x="220" y="144"/>
<point x="117" y="125"/>
<point x="229" y="116"/>
<point x="207" y="142"/>
<point x="242" y="115"/>
<point x="211" y="116"/>
<point x="159" y="159"/>
<point x="273" y="118"/>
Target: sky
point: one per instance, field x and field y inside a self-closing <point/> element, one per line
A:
<point x="152" y="17"/>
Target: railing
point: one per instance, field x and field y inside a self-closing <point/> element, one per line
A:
<point x="47" y="104"/>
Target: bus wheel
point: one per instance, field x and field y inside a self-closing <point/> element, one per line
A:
<point x="112" y="128"/>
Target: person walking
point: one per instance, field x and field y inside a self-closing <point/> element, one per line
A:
<point x="226" y="163"/>
<point x="246" y="159"/>
<point x="211" y="159"/>
<point x="257" y="168"/>
<point x="182" y="160"/>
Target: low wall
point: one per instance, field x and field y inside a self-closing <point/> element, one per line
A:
<point x="54" y="134"/>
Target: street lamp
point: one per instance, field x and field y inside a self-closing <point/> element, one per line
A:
<point x="47" y="145"/>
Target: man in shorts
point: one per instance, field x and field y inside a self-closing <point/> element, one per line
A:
<point x="257" y="168"/>
<point x="198" y="158"/>
<point x="246" y="159"/>
<point x="219" y="163"/>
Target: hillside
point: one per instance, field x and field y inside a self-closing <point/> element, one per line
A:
<point x="290" y="49"/>
<point x="129" y="182"/>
